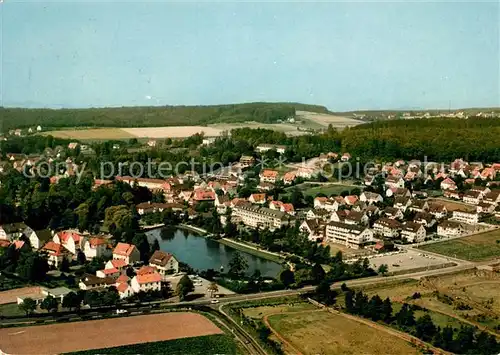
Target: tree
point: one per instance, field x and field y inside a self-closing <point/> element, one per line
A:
<point x="155" y="246"/>
<point x="28" y="306"/>
<point x="92" y="298"/>
<point x="71" y="301"/>
<point x="425" y="328"/>
<point x="405" y="317"/>
<point x="383" y="269"/>
<point x="140" y="240"/>
<point x="213" y="288"/>
<point x="110" y="297"/>
<point x="184" y="286"/>
<point x="64" y="267"/>
<point x="81" y="258"/>
<point x="50" y="304"/>
<point x="287" y="277"/>
<point x="318" y="273"/>
<point x="237" y="265"/>
<point x="32" y="266"/>
<point x="386" y="310"/>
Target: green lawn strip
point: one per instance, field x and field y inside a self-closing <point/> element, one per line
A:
<point x="204" y="345"/>
<point x="258" y="253"/>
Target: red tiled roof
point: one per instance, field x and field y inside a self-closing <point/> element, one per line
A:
<point x="109" y="271"/>
<point x="124" y="249"/>
<point x="65" y="235"/>
<point x="122" y="287"/>
<point x="118" y="263"/>
<point x="4" y="243"/>
<point x="19" y="244"/>
<point x="53" y="248"/>
<point x="146" y="270"/>
<point x="122" y="278"/>
<point x="269" y="173"/>
<point x="94" y="242"/>
<point x="204" y="195"/>
<point x="258" y="197"/>
<point x="148" y="278"/>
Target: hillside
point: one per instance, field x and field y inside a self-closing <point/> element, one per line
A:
<point x="152" y="116"/>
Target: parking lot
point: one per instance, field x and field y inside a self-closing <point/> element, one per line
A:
<point x="200" y="285"/>
<point x="406" y="260"/>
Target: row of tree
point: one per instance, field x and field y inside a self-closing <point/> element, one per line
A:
<point x="466" y="340"/>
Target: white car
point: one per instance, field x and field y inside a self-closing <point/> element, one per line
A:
<point x="214" y="301"/>
<point x="121" y="311"/>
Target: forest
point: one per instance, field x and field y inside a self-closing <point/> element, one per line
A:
<point x="438" y="139"/>
<point x="152" y="116"/>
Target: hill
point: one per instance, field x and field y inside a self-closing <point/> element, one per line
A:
<point x="152" y="116"/>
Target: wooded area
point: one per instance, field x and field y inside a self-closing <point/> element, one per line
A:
<point x="152" y="116"/>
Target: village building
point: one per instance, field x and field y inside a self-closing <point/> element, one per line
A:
<point x="413" y="232"/>
<point x="465" y="217"/>
<point x="126" y="252"/>
<point x="449" y="229"/>
<point x="260" y="217"/>
<point x="314" y="228"/>
<point x="387" y="227"/>
<point x="96" y="247"/>
<point x="164" y="262"/>
<point x="269" y="176"/>
<point x="352" y="236"/>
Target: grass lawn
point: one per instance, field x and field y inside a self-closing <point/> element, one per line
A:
<point x="478" y="247"/>
<point x="258" y="253"/>
<point x="327" y="333"/>
<point x="439" y="319"/>
<point x="210" y="344"/>
<point x="11" y="309"/>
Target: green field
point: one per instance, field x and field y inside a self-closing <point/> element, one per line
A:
<point x="328" y="190"/>
<point x="205" y="345"/>
<point x="478" y="247"/>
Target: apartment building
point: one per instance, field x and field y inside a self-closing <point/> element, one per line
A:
<point x="352" y="236"/>
<point x="259" y="217"/>
<point x="465" y="217"/>
<point x="413" y="232"/>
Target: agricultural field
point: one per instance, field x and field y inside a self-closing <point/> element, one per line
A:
<point x="321" y="332"/>
<point x="104" y="333"/>
<point x="91" y="134"/>
<point x="209" y="344"/>
<point x="323" y="119"/>
<point x="467" y="297"/>
<point x="477" y="247"/>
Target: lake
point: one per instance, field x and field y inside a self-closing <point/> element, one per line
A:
<point x="202" y="253"/>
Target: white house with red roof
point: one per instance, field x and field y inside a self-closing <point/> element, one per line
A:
<point x="96" y="247"/>
<point x="289" y="178"/>
<point x="269" y="175"/>
<point x="164" y="262"/>
<point x="146" y="281"/>
<point x="118" y="264"/>
<point x="56" y="253"/>
<point x="70" y="239"/>
<point x="257" y="198"/>
<point x="202" y="195"/>
<point x="123" y="287"/>
<point x="126" y="252"/>
<point x="448" y="184"/>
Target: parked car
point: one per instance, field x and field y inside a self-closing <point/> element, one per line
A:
<point x="214" y="301"/>
<point x="121" y="311"/>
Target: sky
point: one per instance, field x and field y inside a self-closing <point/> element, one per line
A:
<point x="343" y="55"/>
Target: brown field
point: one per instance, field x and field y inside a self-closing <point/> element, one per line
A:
<point x="321" y="332"/>
<point x="106" y="333"/>
<point x="10" y="296"/>
<point x="171" y="132"/>
<point x="453" y="205"/>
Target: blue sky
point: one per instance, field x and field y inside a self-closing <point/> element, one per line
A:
<point x="362" y="55"/>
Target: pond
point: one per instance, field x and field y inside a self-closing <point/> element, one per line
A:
<point x="202" y="253"/>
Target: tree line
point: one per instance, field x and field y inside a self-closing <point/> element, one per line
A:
<point x="153" y="115"/>
<point x="465" y="340"/>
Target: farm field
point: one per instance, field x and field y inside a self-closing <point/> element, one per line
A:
<point x="91" y="134"/>
<point x="105" y="333"/>
<point x="477" y="247"/>
<point x="208" y="344"/>
<point x="323" y="119"/>
<point x="321" y="332"/>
